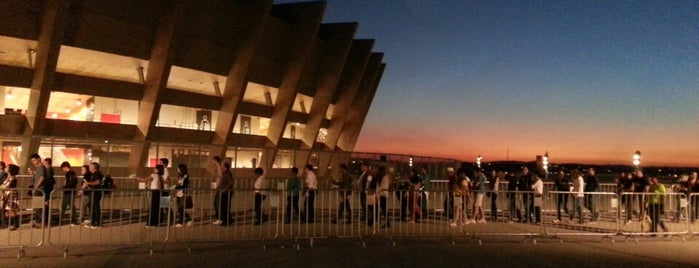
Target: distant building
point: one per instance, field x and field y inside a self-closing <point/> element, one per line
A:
<point x="127" y="82"/>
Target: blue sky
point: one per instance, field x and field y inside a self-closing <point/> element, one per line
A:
<point x="588" y="81"/>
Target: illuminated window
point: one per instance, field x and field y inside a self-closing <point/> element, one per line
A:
<point x="186" y="117"/>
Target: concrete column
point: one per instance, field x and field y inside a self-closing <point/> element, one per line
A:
<point x="347" y="88"/>
<point x="155" y="86"/>
<point x="354" y="116"/>
<point x="244" y="46"/>
<point x="51" y="35"/>
<point x="334" y="57"/>
<point x="300" y="46"/>
<point x="365" y="109"/>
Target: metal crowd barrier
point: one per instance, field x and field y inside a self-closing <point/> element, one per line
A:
<point x="652" y="218"/>
<point x="26" y="228"/>
<point x="592" y="214"/>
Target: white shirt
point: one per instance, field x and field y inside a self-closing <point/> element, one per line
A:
<point x="383" y="186"/>
<point x="166" y="177"/>
<point x="579" y="187"/>
<point x="259" y="185"/>
<point x="311" y="180"/>
<point x="538" y="187"/>
<point x="154" y="182"/>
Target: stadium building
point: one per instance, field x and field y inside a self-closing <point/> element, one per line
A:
<point x="125" y="82"/>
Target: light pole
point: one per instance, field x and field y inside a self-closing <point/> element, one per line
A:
<point x="637" y="159"/>
<point x="478" y="161"/>
<point x="545" y="163"/>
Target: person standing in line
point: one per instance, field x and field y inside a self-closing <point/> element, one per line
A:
<point x="414" y="192"/>
<point x="39" y="176"/>
<point x="344" y="193"/>
<point x="578" y="194"/>
<point x="481" y="187"/>
<point x="682" y="192"/>
<point x="86" y="195"/>
<point x="371" y="193"/>
<point x="155" y="185"/>
<point x="525" y="185"/>
<point x="513" y="196"/>
<point x="641" y="186"/>
<point x="562" y="185"/>
<point x="260" y="195"/>
<point x="449" y="199"/>
<point x="218" y="174"/>
<point x="424" y="200"/>
<point x="96" y="196"/>
<point x="627" y="186"/>
<point x="538" y="188"/>
<point x="494" y="188"/>
<point x="363" y="183"/>
<point x="460" y="194"/>
<point x="311" y="188"/>
<point x="181" y="195"/>
<point x="293" y="186"/>
<point x="693" y="187"/>
<point x="47" y="187"/>
<point x="3" y="177"/>
<point x="225" y="194"/>
<point x="591" y="187"/>
<point x="69" y="188"/>
<point x="10" y="197"/>
<point x="655" y="201"/>
<point x="380" y="186"/>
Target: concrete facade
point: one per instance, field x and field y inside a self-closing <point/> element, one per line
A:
<point x="132" y="81"/>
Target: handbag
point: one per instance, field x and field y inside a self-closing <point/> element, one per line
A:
<point x="188" y="203"/>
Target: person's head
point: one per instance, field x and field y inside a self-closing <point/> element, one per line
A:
<point x="85" y="169"/>
<point x="65" y="166"/>
<point x="94" y="167"/>
<point x="477" y="170"/>
<point x="450" y="172"/>
<point x="13" y="170"/>
<point x="525" y="170"/>
<point x="164" y="162"/>
<point x="423" y="169"/>
<point x="48" y="162"/>
<point x="226" y="165"/>
<point x="380" y="172"/>
<point x="629" y="175"/>
<point x="259" y="171"/>
<point x="2" y="165"/>
<point x="591" y="171"/>
<point x="639" y="173"/>
<point x="295" y="171"/>
<point x="343" y="168"/>
<point x="217" y="160"/>
<point x="693" y="175"/>
<point x="159" y="169"/>
<point x="561" y="174"/>
<point x="364" y="166"/>
<point x="412" y="172"/>
<point x="493" y="173"/>
<point x="653" y="180"/>
<point x="36" y="159"/>
<point x="574" y="173"/>
<point x="182" y="169"/>
<point x="309" y="168"/>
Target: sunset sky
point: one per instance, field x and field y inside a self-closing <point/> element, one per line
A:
<point x="587" y="81"/>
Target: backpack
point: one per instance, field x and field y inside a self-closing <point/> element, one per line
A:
<point x="108" y="183"/>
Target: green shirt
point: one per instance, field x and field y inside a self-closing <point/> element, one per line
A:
<point x="425" y="182"/>
<point x="657" y="190"/>
<point x="293" y="186"/>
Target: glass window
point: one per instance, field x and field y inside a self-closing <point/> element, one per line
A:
<point x="15" y="100"/>
<point x="294" y="131"/>
<point x="186" y="117"/>
<point x="251" y="125"/>
<point x="77" y="107"/>
<point x="284" y="159"/>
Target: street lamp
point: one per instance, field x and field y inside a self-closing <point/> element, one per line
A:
<point x="478" y="161"/>
<point x="545" y="163"/>
<point x="637" y="159"/>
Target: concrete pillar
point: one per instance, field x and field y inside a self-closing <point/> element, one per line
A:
<point x="51" y="35"/>
<point x="347" y="88"/>
<point x="300" y="45"/>
<point x="361" y="101"/>
<point x="155" y="86"/>
<point x="244" y="45"/>
<point x="365" y="110"/>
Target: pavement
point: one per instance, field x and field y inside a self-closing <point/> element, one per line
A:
<point x="378" y="251"/>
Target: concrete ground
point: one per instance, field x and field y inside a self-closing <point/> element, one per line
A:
<point x="377" y="252"/>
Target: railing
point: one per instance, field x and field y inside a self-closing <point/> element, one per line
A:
<point x="143" y="217"/>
